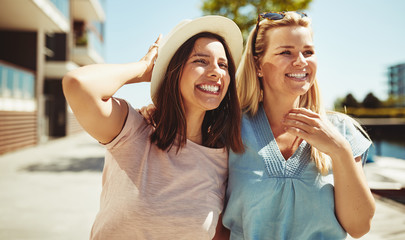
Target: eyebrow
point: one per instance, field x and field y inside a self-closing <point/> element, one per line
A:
<point x="289" y="47"/>
<point x="206" y="55"/>
<point x="200" y="55"/>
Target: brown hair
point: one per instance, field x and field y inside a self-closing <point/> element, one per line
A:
<point x="220" y="127"/>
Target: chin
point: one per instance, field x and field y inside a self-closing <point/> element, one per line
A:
<point x="211" y="106"/>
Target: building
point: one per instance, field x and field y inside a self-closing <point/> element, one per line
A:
<point x="41" y="40"/>
<point x="396" y="75"/>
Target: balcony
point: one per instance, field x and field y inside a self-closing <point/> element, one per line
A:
<point x="88" y="48"/>
<point x="32" y="15"/>
<point x="57" y="69"/>
<point x="88" y="10"/>
<point x="17" y="88"/>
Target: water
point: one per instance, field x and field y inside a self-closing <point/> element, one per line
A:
<point x="387" y="148"/>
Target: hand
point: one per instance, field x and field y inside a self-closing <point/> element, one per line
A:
<point x="315" y="130"/>
<point x="147" y="113"/>
<point x="149" y="60"/>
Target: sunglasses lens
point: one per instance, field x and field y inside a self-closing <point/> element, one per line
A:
<point x="302" y="14"/>
<point x="270" y="16"/>
<point x="278" y="16"/>
<point x="273" y="16"/>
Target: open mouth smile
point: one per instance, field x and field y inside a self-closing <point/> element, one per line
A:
<point x="298" y="76"/>
<point x="209" y="88"/>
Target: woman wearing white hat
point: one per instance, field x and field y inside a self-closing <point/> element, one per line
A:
<point x="166" y="180"/>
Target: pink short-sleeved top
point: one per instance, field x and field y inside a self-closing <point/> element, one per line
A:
<point x="148" y="193"/>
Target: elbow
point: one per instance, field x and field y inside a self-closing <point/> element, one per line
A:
<point x="359" y="229"/>
<point x="70" y="83"/>
<point x="358" y="223"/>
<point x="358" y="232"/>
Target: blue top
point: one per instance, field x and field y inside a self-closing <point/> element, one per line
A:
<point x="271" y="198"/>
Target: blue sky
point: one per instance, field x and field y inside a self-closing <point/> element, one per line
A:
<point x="355" y="41"/>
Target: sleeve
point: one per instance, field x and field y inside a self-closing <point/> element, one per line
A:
<point x="133" y="126"/>
<point x="358" y="141"/>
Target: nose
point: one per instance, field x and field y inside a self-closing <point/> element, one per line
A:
<point x="300" y="61"/>
<point x="215" y="72"/>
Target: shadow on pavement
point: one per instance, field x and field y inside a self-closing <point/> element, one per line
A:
<point x="93" y="164"/>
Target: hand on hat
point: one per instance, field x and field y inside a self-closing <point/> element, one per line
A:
<point x="149" y="60"/>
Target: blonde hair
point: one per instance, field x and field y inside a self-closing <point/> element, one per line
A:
<point x="249" y="85"/>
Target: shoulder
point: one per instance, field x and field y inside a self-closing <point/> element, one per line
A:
<point x="249" y="124"/>
<point x="257" y="119"/>
<point x="343" y="122"/>
<point x="134" y="127"/>
<point x="352" y="131"/>
<point x="338" y="118"/>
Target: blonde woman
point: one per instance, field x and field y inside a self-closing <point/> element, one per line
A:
<point x="301" y="175"/>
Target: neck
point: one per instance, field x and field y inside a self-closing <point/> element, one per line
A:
<point x="194" y="121"/>
<point x="277" y="108"/>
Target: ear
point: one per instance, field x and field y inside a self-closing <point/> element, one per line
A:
<point x="259" y="71"/>
<point x="258" y="68"/>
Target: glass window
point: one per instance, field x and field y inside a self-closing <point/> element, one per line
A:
<point x="2" y="81"/>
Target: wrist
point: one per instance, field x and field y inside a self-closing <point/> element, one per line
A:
<point x="342" y="152"/>
<point x="138" y="70"/>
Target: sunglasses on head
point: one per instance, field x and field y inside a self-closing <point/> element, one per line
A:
<point x="270" y="16"/>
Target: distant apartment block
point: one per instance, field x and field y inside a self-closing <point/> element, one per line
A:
<point x="40" y="41"/>
<point x="397" y="83"/>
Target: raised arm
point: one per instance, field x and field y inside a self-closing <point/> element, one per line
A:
<point x="89" y="92"/>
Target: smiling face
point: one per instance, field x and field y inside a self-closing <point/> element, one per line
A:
<point x="288" y="66"/>
<point x="205" y="77"/>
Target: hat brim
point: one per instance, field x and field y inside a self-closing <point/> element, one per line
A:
<point x="222" y="26"/>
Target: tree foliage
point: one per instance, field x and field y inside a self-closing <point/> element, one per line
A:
<point x="245" y="12"/>
<point x="350" y="101"/>
<point x="371" y="101"/>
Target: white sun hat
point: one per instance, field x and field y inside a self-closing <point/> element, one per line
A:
<point x="222" y="26"/>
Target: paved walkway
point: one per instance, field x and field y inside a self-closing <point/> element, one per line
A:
<point x="51" y="192"/>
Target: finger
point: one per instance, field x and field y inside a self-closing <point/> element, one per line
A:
<point x="142" y="112"/>
<point x="155" y="45"/>
<point x="151" y="110"/>
<point x="304" y="115"/>
<point x="158" y="39"/>
<point x="305" y="111"/>
<point x="145" y="114"/>
<point x="298" y="125"/>
<point x="297" y="132"/>
<point x="302" y="118"/>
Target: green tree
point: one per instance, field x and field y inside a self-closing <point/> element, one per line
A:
<point x="393" y="101"/>
<point x="371" y="101"/>
<point x="350" y="101"/>
<point x="245" y="12"/>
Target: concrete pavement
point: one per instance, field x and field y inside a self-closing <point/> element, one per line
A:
<point x="51" y="192"/>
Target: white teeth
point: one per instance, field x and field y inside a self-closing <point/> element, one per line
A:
<point x="209" y="88"/>
<point x="297" y="75"/>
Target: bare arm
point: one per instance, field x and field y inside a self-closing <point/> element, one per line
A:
<point x="354" y="202"/>
<point x="89" y="92"/>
